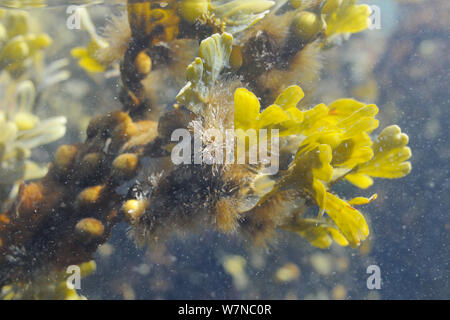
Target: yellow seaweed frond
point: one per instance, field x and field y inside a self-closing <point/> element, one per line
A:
<point x="239" y="15"/>
<point x="87" y="56"/>
<point x="389" y="160"/>
<point x="333" y="142"/>
<point x="350" y="222"/>
<point x="214" y="55"/>
<point x="345" y="17"/>
<point x="319" y="233"/>
<point x="21" y="132"/>
<point x="282" y="115"/>
<point x="51" y="287"/>
<point x="19" y="45"/>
